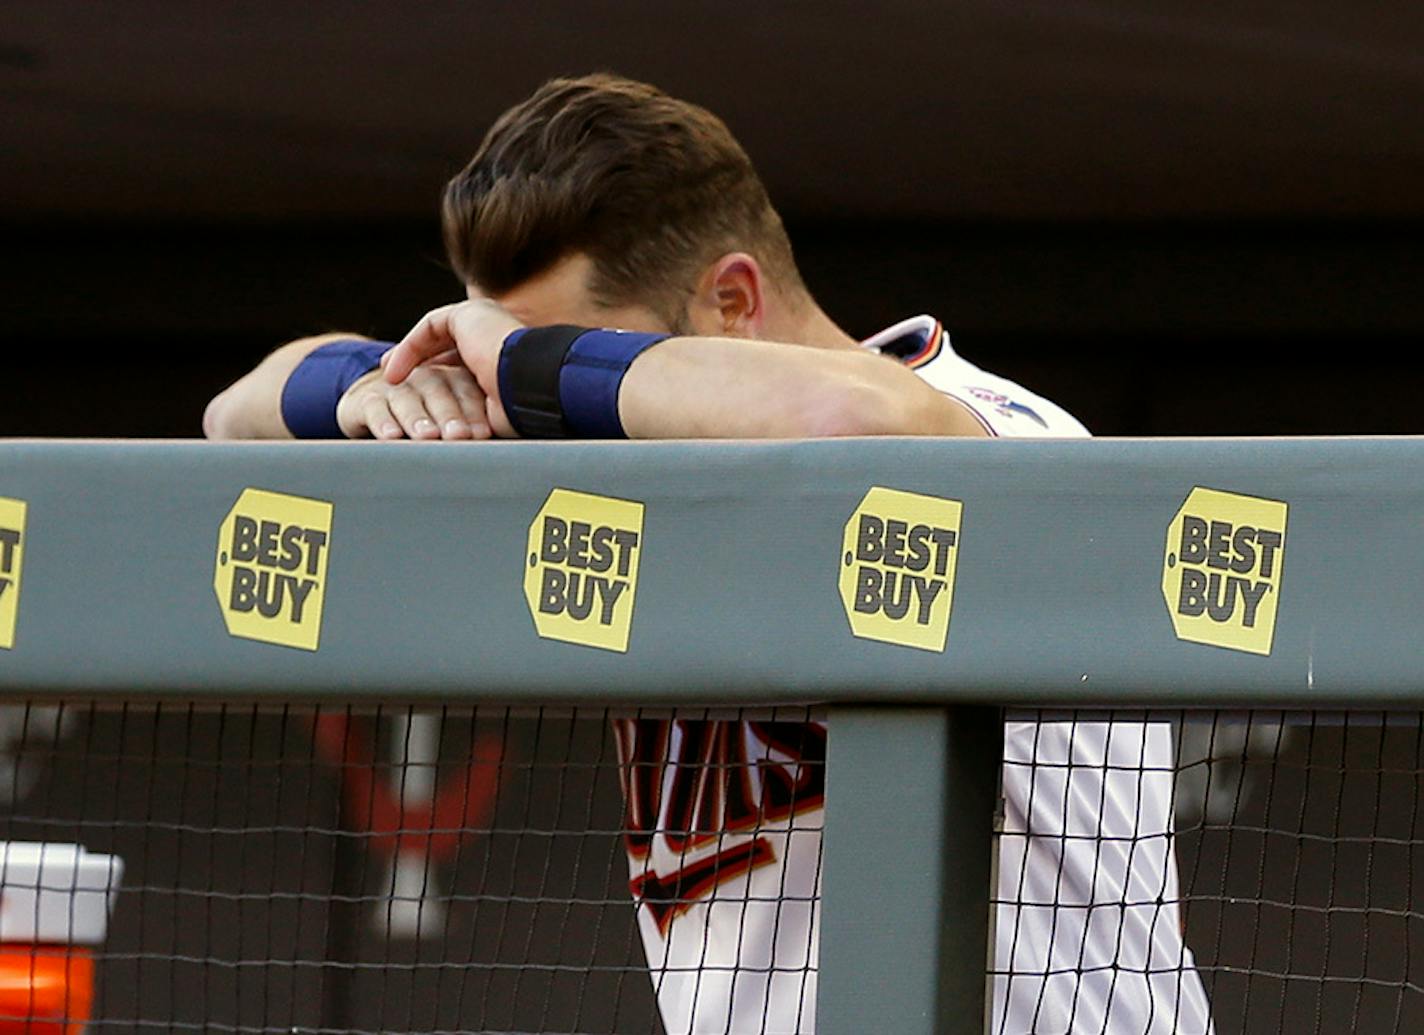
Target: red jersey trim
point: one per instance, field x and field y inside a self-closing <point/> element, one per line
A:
<point x="666" y="898"/>
<point x="934" y="344"/>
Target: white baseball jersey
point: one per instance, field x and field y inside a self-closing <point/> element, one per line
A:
<point x="724" y="849"/>
<point x="725" y="821"/>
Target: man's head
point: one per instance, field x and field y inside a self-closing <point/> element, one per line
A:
<point x="609" y="198"/>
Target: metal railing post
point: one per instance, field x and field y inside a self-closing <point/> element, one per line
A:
<point x="910" y="801"/>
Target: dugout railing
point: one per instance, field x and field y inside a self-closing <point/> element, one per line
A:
<point x="908" y="589"/>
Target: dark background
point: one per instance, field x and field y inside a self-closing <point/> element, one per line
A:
<point x="1175" y="218"/>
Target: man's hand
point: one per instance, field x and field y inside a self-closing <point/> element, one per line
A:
<point x="476" y="330"/>
<point x="438" y="400"/>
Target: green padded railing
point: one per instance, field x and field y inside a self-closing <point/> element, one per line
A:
<point x="911" y="586"/>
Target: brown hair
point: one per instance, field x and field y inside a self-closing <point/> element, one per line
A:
<point x="651" y="188"/>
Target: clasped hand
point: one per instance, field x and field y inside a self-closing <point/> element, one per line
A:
<point x="439" y="382"/>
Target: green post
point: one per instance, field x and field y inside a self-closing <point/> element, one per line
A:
<point x="910" y="800"/>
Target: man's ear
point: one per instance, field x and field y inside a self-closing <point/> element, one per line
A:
<point x="732" y="297"/>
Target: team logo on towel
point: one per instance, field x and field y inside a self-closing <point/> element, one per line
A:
<point x="12" y="558"/>
<point x="270" y="576"/>
<point x="1221" y="577"/>
<point x="581" y="574"/>
<point x="897" y="573"/>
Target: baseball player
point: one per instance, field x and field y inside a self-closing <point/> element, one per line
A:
<point x="602" y="203"/>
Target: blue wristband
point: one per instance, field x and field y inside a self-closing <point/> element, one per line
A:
<point x="592" y="376"/>
<point x="559" y="382"/>
<point x="314" y="388"/>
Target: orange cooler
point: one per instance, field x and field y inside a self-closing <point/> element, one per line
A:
<point x="55" y="901"/>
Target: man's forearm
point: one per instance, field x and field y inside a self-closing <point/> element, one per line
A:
<point x="739" y="388"/>
<point x="685" y="387"/>
<point x="251" y="407"/>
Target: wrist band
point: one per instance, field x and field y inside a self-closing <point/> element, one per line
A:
<point x="529" y="364"/>
<point x="314" y="388"/>
<point x="563" y="381"/>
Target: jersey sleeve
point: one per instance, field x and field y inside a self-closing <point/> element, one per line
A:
<point x="1006" y="409"/>
<point x="1009" y="411"/>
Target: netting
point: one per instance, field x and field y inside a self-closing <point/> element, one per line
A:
<point x="1297" y="851"/>
<point x="1301" y="848"/>
<point x="339" y="869"/>
<point x="451" y="869"/>
<point x="347" y="870"/>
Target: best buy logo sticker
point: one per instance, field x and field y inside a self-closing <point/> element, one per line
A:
<point x="582" y="572"/>
<point x="897" y="573"/>
<point x="12" y="557"/>
<point x="1221" y="577"/>
<point x="270" y="575"/>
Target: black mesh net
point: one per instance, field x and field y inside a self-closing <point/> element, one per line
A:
<point x="1296" y="846"/>
<point x="452" y="869"/>
<point x="311" y="869"/>
<point x="385" y="869"/>
<point x="1301" y="846"/>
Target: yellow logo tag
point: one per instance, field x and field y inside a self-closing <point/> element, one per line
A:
<point x="270" y="576"/>
<point x="583" y="568"/>
<point x="1222" y="576"/>
<point x="897" y="575"/>
<point x="12" y="558"/>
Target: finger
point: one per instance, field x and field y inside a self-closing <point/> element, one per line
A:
<point x="440" y="402"/>
<point x="472" y="402"/>
<point x="379" y="420"/>
<point x="409" y="409"/>
<point x="426" y="340"/>
<point x="450" y="357"/>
